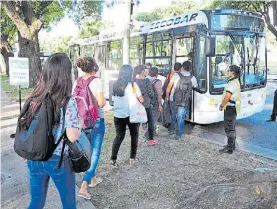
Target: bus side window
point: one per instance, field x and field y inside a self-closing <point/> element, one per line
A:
<point x="200" y="71"/>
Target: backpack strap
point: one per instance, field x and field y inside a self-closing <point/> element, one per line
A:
<point x="91" y="78"/>
<point x="155" y="81"/>
<point x="62" y="137"/>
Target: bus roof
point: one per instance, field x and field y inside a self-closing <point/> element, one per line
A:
<point x="190" y="18"/>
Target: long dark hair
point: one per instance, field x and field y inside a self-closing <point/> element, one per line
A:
<point x="125" y="76"/>
<point x="87" y="64"/>
<point x="55" y="82"/>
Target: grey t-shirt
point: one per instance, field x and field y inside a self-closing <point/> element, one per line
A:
<point x="175" y="78"/>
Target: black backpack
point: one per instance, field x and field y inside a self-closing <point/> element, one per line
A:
<point x="183" y="90"/>
<point x="34" y="139"/>
<point x="154" y="100"/>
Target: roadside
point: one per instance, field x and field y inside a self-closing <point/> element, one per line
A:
<point x="14" y="177"/>
<point x="184" y="174"/>
<point x="12" y="91"/>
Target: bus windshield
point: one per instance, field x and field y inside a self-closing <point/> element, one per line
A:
<point x="232" y="50"/>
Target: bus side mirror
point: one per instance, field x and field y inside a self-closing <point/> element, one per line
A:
<point x="210" y="46"/>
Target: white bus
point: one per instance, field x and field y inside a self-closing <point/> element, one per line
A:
<point x="217" y="39"/>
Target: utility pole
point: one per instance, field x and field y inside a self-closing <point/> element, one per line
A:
<point x="126" y="39"/>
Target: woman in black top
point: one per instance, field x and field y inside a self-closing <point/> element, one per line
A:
<point x="147" y="92"/>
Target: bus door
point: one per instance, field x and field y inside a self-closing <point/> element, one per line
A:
<point x="185" y="51"/>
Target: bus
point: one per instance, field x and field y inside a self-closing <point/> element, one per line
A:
<point x="216" y="38"/>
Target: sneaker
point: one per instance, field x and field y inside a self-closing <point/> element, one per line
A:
<point x="178" y="138"/>
<point x="113" y="164"/>
<point x="226" y="149"/>
<point x="152" y="142"/>
<point x="133" y="161"/>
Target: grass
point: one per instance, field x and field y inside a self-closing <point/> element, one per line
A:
<point x="12" y="91"/>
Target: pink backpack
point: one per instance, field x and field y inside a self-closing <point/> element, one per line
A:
<point x="86" y="103"/>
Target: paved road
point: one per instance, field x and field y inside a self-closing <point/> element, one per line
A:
<point x="254" y="133"/>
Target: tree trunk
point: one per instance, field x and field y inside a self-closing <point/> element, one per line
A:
<point x="30" y="49"/>
<point x="3" y="63"/>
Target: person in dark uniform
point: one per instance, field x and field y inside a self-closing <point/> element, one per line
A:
<point x="274" y="110"/>
<point x="231" y="104"/>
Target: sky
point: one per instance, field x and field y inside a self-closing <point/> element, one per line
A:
<point x="109" y="14"/>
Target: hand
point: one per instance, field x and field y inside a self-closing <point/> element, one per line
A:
<point x="220" y="108"/>
<point x="160" y="108"/>
<point x="167" y="99"/>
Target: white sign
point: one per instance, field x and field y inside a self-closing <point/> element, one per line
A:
<point x="19" y="71"/>
<point x="175" y="22"/>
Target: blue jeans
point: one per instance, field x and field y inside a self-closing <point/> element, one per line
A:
<point x="173" y="109"/>
<point x="96" y="135"/>
<point x="181" y="115"/>
<point x="64" y="179"/>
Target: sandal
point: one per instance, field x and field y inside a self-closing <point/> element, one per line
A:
<point x="85" y="196"/>
<point x="98" y="181"/>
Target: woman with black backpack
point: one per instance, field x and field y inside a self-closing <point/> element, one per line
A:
<point x="54" y="85"/>
<point x="123" y="90"/>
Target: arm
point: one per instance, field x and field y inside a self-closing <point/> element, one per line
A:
<point x="100" y="99"/>
<point x="140" y="99"/>
<point x="73" y="134"/>
<point x="138" y="93"/>
<point x="225" y="100"/>
<point x="168" y="90"/>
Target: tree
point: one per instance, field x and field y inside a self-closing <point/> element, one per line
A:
<point x="8" y="33"/>
<point x="263" y="7"/>
<point x="30" y="17"/>
<point x="55" y="44"/>
<point x="148" y="16"/>
<point x="175" y="8"/>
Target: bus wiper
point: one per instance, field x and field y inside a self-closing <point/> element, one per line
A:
<point x="235" y="44"/>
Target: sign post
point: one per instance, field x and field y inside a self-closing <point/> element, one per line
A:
<point x="19" y="75"/>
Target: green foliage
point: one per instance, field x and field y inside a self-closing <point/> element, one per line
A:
<point x="148" y="16"/>
<point x="90" y="29"/>
<point x="7" y="27"/>
<point x="51" y="14"/>
<point x="79" y="10"/>
<point x="55" y="44"/>
<point x="176" y="8"/>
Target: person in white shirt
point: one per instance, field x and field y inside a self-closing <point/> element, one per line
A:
<point x="181" y="109"/>
<point x="122" y="92"/>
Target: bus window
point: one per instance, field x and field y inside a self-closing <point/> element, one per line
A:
<point x="254" y="61"/>
<point x="158" y="51"/>
<point x="114" y="60"/>
<point x="183" y="47"/>
<point x="88" y="51"/>
<point x="228" y="53"/>
<point x="200" y="69"/>
<point x="136" y="46"/>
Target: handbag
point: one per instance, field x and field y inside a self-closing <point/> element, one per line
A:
<point x="137" y="110"/>
<point x="79" y="152"/>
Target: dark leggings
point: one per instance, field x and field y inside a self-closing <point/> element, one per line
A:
<point x="150" y="123"/>
<point x="120" y="127"/>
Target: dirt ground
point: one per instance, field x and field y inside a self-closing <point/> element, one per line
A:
<point x="185" y="174"/>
